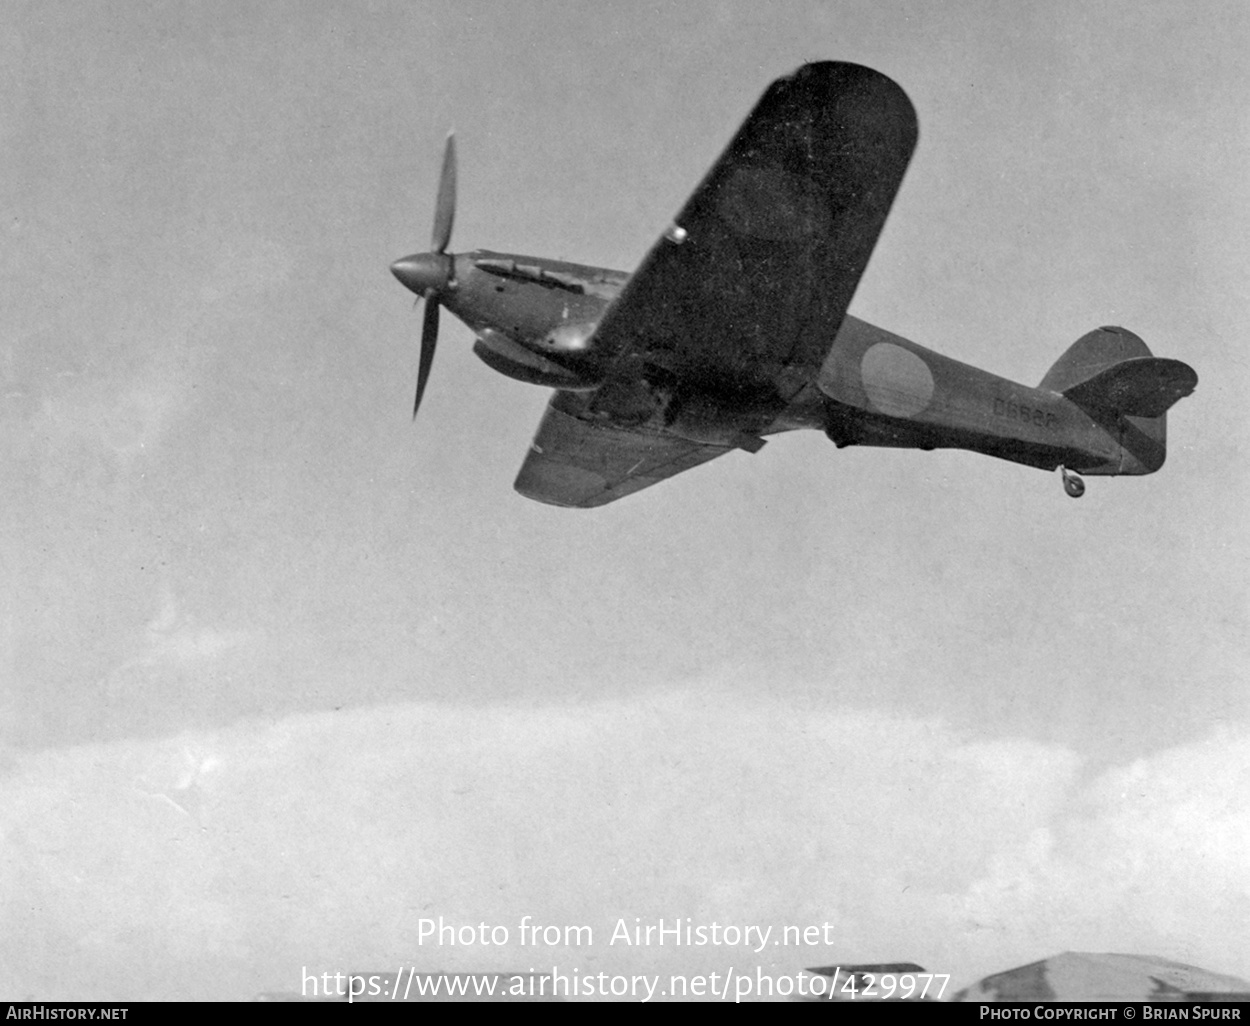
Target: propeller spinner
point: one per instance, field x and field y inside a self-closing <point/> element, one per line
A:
<point x="428" y="274"/>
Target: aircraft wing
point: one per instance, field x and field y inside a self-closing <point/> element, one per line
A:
<point x="584" y="463"/>
<point x="744" y="294"/>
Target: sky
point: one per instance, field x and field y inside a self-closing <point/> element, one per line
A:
<point x="284" y="675"/>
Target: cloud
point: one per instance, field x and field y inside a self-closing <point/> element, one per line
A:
<point x="174" y="651"/>
<point x="219" y="864"/>
<point x="172" y="639"/>
<point x="1158" y="850"/>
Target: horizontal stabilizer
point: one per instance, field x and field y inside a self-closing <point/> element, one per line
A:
<point x="1142" y="387"/>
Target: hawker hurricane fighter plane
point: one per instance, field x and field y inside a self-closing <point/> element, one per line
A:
<point x="735" y="326"/>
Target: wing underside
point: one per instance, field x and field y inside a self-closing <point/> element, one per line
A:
<point x="576" y="462"/>
<point x="739" y="302"/>
<point x="744" y="295"/>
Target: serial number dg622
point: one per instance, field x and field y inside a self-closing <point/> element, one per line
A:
<point x="1028" y="415"/>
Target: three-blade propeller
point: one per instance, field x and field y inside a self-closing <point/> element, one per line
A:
<point x="429" y="274"/>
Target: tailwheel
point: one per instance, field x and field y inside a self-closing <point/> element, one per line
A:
<point x="1072" y="484"/>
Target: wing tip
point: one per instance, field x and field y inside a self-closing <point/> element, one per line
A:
<point x="818" y="82"/>
<point x="560" y="484"/>
<point x="842" y="74"/>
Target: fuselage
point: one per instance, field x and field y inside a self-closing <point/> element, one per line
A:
<point x="535" y="320"/>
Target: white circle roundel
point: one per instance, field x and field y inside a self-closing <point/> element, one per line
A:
<point x="898" y="382"/>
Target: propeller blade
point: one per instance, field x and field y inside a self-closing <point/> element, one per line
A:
<point x="429" y="339"/>
<point x="445" y="207"/>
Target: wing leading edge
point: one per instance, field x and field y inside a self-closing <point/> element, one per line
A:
<point x="742" y="297"/>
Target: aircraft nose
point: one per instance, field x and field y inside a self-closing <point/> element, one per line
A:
<point x="423" y="272"/>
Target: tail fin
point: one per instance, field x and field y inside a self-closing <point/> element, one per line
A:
<point x="1092" y="353"/>
<point x="1111" y="375"/>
